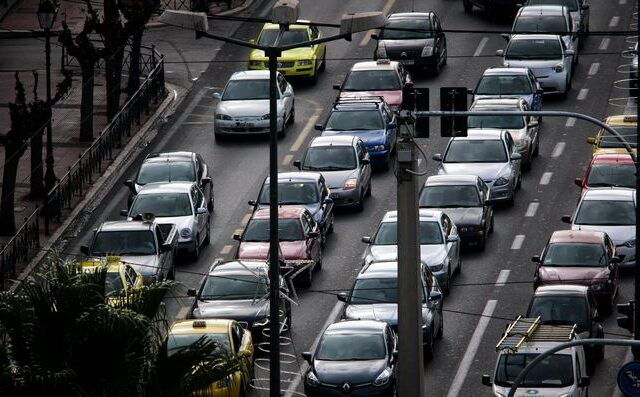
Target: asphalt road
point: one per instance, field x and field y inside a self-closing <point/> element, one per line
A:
<point x="467" y="349"/>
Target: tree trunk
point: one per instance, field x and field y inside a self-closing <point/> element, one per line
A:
<point x="86" y="103"/>
<point x="114" y="43"/>
<point x="134" y="62"/>
<point x="7" y="213"/>
<point x="37" y="166"/>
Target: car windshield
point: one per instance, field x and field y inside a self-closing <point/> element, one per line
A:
<point x="258" y="230"/>
<point x="243" y="90"/>
<point x="606" y="213"/>
<point x="330" y="158"/>
<point x="351" y="347"/>
<point x="162" y="205"/>
<point x="370" y="291"/>
<point x="177" y="342"/>
<point x="567" y="310"/>
<point x="233" y="287"/>
<point x="541" y="24"/>
<point x="572" y="5"/>
<point x="450" y="196"/>
<point x="125" y="242"/>
<point x="354" y="120"/>
<point x="498" y="122"/>
<point x="289" y="37"/>
<point x="574" y="254"/>
<point x="406" y="29"/>
<point x="623" y="175"/>
<point x="113" y="285"/>
<point x="372" y="80"/>
<point x="387" y="233"/>
<point x="554" y="371"/>
<point x="628" y="133"/>
<point x="292" y="193"/>
<point x="166" y="171"/>
<point x="503" y="85"/>
<point x="476" y="151"/>
<point x="537" y="49"/>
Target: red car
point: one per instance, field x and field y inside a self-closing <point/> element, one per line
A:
<point x="609" y="170"/>
<point x="299" y="235"/>
<point x="580" y="257"/>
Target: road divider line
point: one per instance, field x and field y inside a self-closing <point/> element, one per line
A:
<point x="582" y="94"/>
<point x="245" y="219"/>
<point x="532" y="209"/>
<point x="614" y="21"/>
<point x="287" y="159"/>
<point x="546" y="178"/>
<point x="305" y="130"/>
<point x="517" y="242"/>
<point x="604" y="44"/>
<point x="472" y="349"/>
<point x="385" y="11"/>
<point x="593" y="69"/>
<point x="481" y="45"/>
<point x="226" y="249"/>
<point x="571" y="121"/>
<point x="503" y="277"/>
<point x="558" y="149"/>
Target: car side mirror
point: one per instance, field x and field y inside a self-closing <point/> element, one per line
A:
<point x="579" y="182"/>
<point x="365" y="161"/>
<point x="470" y="91"/>
<point x="435" y="295"/>
<point x="308" y="356"/>
<point x="437" y="157"/>
<point x="192" y="292"/>
<point x="206" y="180"/>
<point x="318" y="127"/>
<point x="391" y="126"/>
<point x="297" y="164"/>
<point x="569" y="52"/>
<point x="566" y="218"/>
<point x="337" y="87"/>
<point x="500" y="53"/>
<point x="216" y="95"/>
<point x="202" y="211"/>
<point x="366" y="239"/>
<point x="327" y="201"/>
<point x="516" y="156"/>
<point x="313" y="234"/>
<point x="374" y="37"/>
<point x="584" y="381"/>
<point x="129" y="183"/>
<point x="505" y="36"/>
<point x="486" y="380"/>
<point x="453" y="238"/>
<point x="236" y="237"/>
<point x="342" y="296"/>
<point x="533" y="123"/>
<point x="535" y="259"/>
<point x="409" y="84"/>
<point x="124" y="213"/>
<point x="591" y="140"/>
<point x="252" y="203"/>
<point x="84" y="249"/>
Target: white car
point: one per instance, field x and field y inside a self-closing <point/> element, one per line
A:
<point x="243" y="106"/>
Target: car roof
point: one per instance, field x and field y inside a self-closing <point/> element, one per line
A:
<point x="239" y="267"/>
<point x="209" y="325"/>
<point x="406" y="15"/>
<point x="164" y="187"/>
<point x="482" y="134"/>
<point x="112" y="226"/>
<point x="297" y="177"/>
<point x="497" y="102"/>
<point x="611" y="158"/>
<point x="170" y="156"/>
<point x="372" y="103"/>
<point x="284" y="212"/>
<point x="379" y="270"/>
<point x="355" y="327"/>
<point x="577" y="236"/>
<point x="543" y="10"/>
<point x="250" y="75"/>
<point x="534" y="37"/>
<point x="333" y="140"/>
<point x="375" y="65"/>
<point x="436" y="180"/>
<point x="561" y="289"/>
<point x="498" y="71"/>
<point x="425" y="215"/>
<point x="605" y="193"/>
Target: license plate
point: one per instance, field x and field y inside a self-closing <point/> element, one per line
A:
<point x="407" y="61"/>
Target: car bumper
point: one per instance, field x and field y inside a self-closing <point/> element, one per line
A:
<point x="343" y="198"/>
<point x="470" y="234"/>
<point x="295" y="70"/>
<point x="354" y="391"/>
<point x="186" y="247"/>
<point x="225" y="127"/>
<point x="629" y="255"/>
<point x="378" y="157"/>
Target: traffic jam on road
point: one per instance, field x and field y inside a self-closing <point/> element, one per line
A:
<point x="485" y="206"/>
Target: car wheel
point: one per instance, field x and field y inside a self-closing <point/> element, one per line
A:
<point x="292" y="115"/>
<point x="591" y="364"/>
<point x="314" y="79"/>
<point x="447" y="287"/>
<point x="519" y="183"/>
<point x="283" y="131"/>
<point x="323" y="65"/>
<point x="195" y="254"/>
<point x="511" y="201"/>
<point x="171" y="274"/>
<point x="319" y="263"/>
<point x="368" y="192"/>
<point x="323" y="237"/>
<point x="428" y="347"/>
<point x="436" y="66"/>
<point x="440" y="333"/>
<point x="459" y="268"/>
<point x="491" y="227"/>
<point x="330" y="229"/>
<point x="466" y="4"/>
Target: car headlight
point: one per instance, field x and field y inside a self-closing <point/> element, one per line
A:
<point x="185" y="232"/>
<point x="220" y="116"/>
<point x="350" y="183"/>
<point x="381" y="52"/>
<point x="312" y="379"/>
<point x="501" y="181"/>
<point x="427" y="51"/>
<point x="437" y="268"/>
<point x="598" y="286"/>
<point x="257" y="64"/>
<point x="630" y="243"/>
<point x="383" y="378"/>
<point x="558" y="68"/>
<point x="378" y="147"/>
<point x="305" y="62"/>
<point x="225" y="382"/>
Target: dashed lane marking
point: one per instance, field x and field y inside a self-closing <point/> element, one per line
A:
<point x="593" y="69"/>
<point x="558" y="149"/>
<point x="604" y="44"/>
<point x="571" y="121"/>
<point x="305" y="131"/>
<point x="517" y="242"/>
<point x="182" y="313"/>
<point x="546" y="178"/>
<point x="245" y="219"/>
<point x="582" y="94"/>
<point x="481" y="45"/>
<point x="226" y="249"/>
<point x="502" y="277"/>
<point x="532" y="209"/>
<point x="614" y="21"/>
<point x="287" y="159"/>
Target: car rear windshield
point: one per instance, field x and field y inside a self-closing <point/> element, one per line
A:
<point x="351" y="347"/>
<point x="258" y="230"/>
<point x="406" y="29"/>
<point x="387" y="233"/>
<point x="372" y="80"/>
<point x="606" y="212"/>
<point x="450" y="196"/>
<point x="292" y="193"/>
<point x="541" y="24"/>
<point x="354" y="120"/>
<point x="291" y="36"/>
<point x="126" y="242"/>
<point x="623" y="175"/>
<point x="330" y="158"/>
<point x="561" y="310"/>
<point x="503" y="85"/>
<point x="243" y="90"/>
<point x="370" y="291"/>
<point x="476" y="151"/>
<point x="536" y="49"/>
<point x="628" y="134"/>
<point x="177" y="342"/>
<point x="169" y="171"/>
<point x="499" y="122"/>
<point x="237" y="286"/>
<point x="574" y="254"/>
<point x="113" y="285"/>
<point x="162" y="204"/>
<point x="572" y="5"/>
<point x="554" y="371"/>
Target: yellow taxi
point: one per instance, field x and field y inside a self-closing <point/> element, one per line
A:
<point x="304" y="61"/>
<point x="606" y="143"/>
<point x="231" y="336"/>
<point x="121" y="278"/>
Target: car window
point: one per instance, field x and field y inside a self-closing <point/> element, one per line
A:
<point x="446" y="225"/>
<point x="131" y="276"/>
<point x="315" y="33"/>
<point x="608" y="246"/>
<point x="324" y="191"/>
<point x="258" y="230"/>
<point x="174" y="171"/>
<point x="553" y="371"/>
<point x="567" y="310"/>
<point x="612" y="174"/>
<point x="572" y="5"/>
<point x="369" y="291"/>
<point x="509" y="142"/>
<point x="130" y="242"/>
<point x="436" y="23"/>
<point x="475" y="151"/>
<point x="387" y="233"/>
<point x="354" y="120"/>
<point x="329" y="158"/>
<point x="178" y="342"/>
<point x="292" y="193"/>
<point x="351" y="347"/>
<point x="372" y="80"/>
<point x="282" y="84"/>
<point x="289" y="37"/>
<point x="538" y="49"/>
<point x="503" y="85"/>
<point x="306" y="226"/>
<point x="194" y="198"/>
<point x="450" y="196"/>
<point x="574" y="254"/>
<point x="236" y="334"/>
<point x="498" y="121"/>
<point x="541" y="24"/>
<point x="113" y="285"/>
<point x="159" y="235"/>
<point x="605" y="212"/>
<point x="407" y="29"/>
<point x="238" y="287"/>
<point x="608" y="140"/>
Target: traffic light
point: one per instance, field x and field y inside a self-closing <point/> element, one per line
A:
<point x="417" y="100"/>
<point x="626" y="320"/>
<point x="453" y="98"/>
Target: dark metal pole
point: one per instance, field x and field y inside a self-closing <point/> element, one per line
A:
<point x="636" y="314"/>
<point x="50" y="176"/>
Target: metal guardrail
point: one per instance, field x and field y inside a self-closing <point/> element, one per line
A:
<point x="148" y="58"/>
<point x="18" y="248"/>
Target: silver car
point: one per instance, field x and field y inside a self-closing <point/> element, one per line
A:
<point x="344" y="162"/>
<point x="490" y="154"/>
<point x="243" y="106"/>
<point x="579" y="10"/>
<point x="180" y="203"/>
<point x="546" y="55"/>
<point x="609" y="210"/>
<point x="439" y="244"/>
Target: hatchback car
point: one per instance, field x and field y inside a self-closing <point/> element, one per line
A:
<point x="381" y="78"/>
<point x="356" y="357"/>
<point x="465" y="199"/>
<point x="579" y="10"/>
<point x="415" y="39"/>
<point x="344" y="163"/>
<point x="546" y="55"/>
<point x="374" y="296"/>
<point x="510" y="83"/>
<point x="580" y="257"/>
<point x="370" y="119"/>
<point x="490" y="154"/>
<point x="243" y="106"/>
<point x="609" y="170"/>
<point x="439" y="244"/>
<point x="605" y="142"/>
<point x="298" y="234"/>
<point x="303" y="61"/>
<point x="609" y="210"/>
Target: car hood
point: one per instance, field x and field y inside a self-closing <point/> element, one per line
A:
<point x="464" y="216"/>
<point x="146" y="265"/>
<point x="534" y="65"/>
<point x="181" y="222"/>
<point x="291" y="250"/>
<point x="336" y="179"/>
<point x="248" y="108"/>
<point x="431" y="254"/>
<point x="393" y="98"/>
<point x="486" y="171"/>
<point x="618" y="234"/>
<point x="292" y="54"/>
<point x="354" y="372"/>
<point x="527" y="97"/>
<point x="313" y="207"/>
<point x="239" y="310"/>
<point x="387" y="312"/>
<point x="583" y="275"/>
<point x="369" y="137"/>
<point x="399" y="45"/>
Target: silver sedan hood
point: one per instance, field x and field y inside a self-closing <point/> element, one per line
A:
<point x="146" y="265"/>
<point x="430" y="254"/>
<point x="486" y="171"/>
<point x="249" y="108"/>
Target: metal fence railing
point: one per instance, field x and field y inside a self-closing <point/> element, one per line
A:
<point x="148" y="58"/>
<point x="20" y="247"/>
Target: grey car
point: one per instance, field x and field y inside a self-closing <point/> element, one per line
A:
<point x="579" y="10"/>
<point x="490" y="154"/>
<point x="344" y="162"/>
<point x="439" y="244"/>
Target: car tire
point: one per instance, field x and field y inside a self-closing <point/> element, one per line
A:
<point x="282" y="132"/>
<point x="491" y="226"/>
<point x="207" y="237"/>
<point x="368" y="192"/>
<point x="314" y="79"/>
<point x="292" y="115"/>
<point x="330" y="228"/>
<point x="459" y="268"/>
<point x="171" y="274"/>
<point x="319" y="263"/>
<point x="440" y="333"/>
<point x="512" y="200"/>
<point x="360" y="204"/>
<point x="466" y="4"/>
<point x="591" y="363"/>
<point x="436" y="66"/>
<point x="428" y="347"/>
<point x="447" y="288"/>
<point x="519" y="183"/>
<point x="195" y="254"/>
<point x="323" y="65"/>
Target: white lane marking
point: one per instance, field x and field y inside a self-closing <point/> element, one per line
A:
<point x="305" y="131"/>
<point x="582" y="94"/>
<point x="622" y="2"/>
<point x="502" y="277"/>
<point x="287" y="159"/>
<point x="604" y="44"/>
<point x="226" y="249"/>
<point x="182" y="313"/>
<point x="532" y="209"/>
<point x="558" y="149"/>
<point x="517" y="242"/>
<point x="419" y="162"/>
<point x="472" y="349"/>
<point x="593" y="69"/>
<point x="614" y="21"/>
<point x="245" y="219"/>
<point x="546" y="178"/>
<point x="293" y="386"/>
<point x="571" y="121"/>
<point x="385" y="11"/>
<point x="481" y="45"/>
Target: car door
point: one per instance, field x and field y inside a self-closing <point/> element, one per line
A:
<point x="364" y="170"/>
<point x="453" y="247"/>
<point x="537" y="91"/>
<point x="434" y="306"/>
<point x="313" y="243"/>
<point x="327" y="205"/>
<point x="287" y="100"/>
<point x="614" y="274"/>
<point x="440" y="40"/>
<point x="197" y="198"/>
<point x="487" y="210"/>
<point x="532" y="126"/>
<point x="390" y="118"/>
<point x="514" y="164"/>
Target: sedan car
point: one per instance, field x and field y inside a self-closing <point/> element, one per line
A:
<point x="298" y="234"/>
<point x="370" y="119"/>
<point x="510" y="83"/>
<point x="180" y="203"/>
<point x="580" y="257"/>
<point x="356" y="357"/>
<point x="609" y="210"/>
<point x="579" y="10"/>
<point x="344" y="163"/>
<point x="415" y="39"/>
<point x="609" y="170"/>
<point x="465" y="200"/>
<point x="439" y="244"/>
<point x="243" y="106"/>
<point x="546" y="55"/>
<point x="490" y="154"/>
<point x="605" y="142"/>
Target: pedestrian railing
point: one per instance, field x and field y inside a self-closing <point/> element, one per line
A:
<point x="21" y="247"/>
<point x="148" y="58"/>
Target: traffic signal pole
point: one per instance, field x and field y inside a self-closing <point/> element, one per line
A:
<point x="636" y="317"/>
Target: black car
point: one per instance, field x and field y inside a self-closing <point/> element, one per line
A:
<point x="172" y="167"/>
<point x="414" y="39"/>
<point x="355" y="358"/>
<point x="239" y="290"/>
<point x="492" y="7"/>
<point x="464" y="198"/>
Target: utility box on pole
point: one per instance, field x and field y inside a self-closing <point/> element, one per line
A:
<point x="453" y="99"/>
